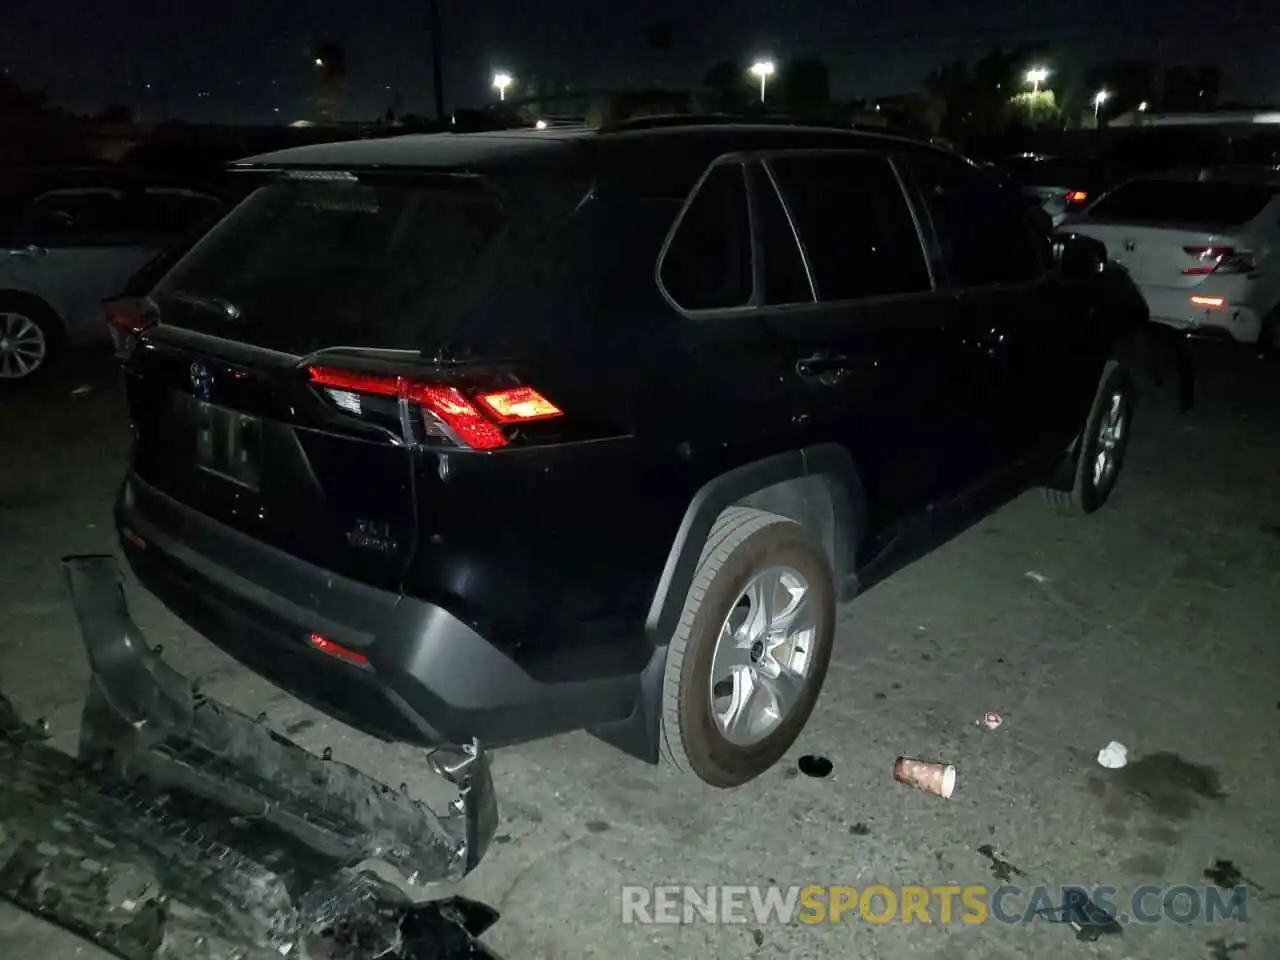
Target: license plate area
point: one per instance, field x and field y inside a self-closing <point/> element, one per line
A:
<point x="226" y="443"/>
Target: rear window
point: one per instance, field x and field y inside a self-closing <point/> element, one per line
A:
<point x="1202" y="203"/>
<point x="320" y="263"/>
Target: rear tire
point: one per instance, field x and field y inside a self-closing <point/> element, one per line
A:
<point x="756" y="570"/>
<point x="1103" y="443"/>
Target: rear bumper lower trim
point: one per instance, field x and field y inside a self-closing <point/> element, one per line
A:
<point x="432" y="679"/>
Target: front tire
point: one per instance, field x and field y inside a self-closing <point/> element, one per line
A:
<point x="1103" y="443"/>
<point x="31" y="339"/>
<point x="751" y="651"/>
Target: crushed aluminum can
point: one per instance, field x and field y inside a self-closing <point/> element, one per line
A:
<point x="991" y="720"/>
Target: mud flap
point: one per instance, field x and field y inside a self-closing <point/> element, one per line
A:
<point x="187" y="830"/>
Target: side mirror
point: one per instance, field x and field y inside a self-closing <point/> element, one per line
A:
<point x="1079" y="257"/>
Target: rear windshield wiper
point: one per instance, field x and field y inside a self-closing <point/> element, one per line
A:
<point x="220" y="305"/>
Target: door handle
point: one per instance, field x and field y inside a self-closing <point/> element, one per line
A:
<point x="826" y="368"/>
<point x="823" y="363"/>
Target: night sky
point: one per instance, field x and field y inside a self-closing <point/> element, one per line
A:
<point x="249" y="60"/>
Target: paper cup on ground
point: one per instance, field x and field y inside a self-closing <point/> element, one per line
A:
<point x="936" y="778"/>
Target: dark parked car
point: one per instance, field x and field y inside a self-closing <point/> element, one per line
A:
<point x="1060" y="185"/>
<point x="497" y="436"/>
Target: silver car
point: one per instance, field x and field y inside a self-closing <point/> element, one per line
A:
<point x="72" y="239"/>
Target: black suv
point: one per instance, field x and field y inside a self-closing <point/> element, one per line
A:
<point x="497" y="436"/>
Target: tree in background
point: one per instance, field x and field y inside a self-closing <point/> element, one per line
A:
<point x="1190" y="88"/>
<point x="115" y="113"/>
<point x="1128" y="83"/>
<point x="1035" y="109"/>
<point x="806" y="88"/>
<point x="726" y="88"/>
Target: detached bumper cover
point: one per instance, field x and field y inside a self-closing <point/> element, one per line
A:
<point x="186" y="830"/>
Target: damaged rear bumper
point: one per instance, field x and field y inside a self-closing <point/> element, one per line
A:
<point x="185" y="829"/>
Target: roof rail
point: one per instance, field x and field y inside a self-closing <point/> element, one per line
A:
<point x="662" y="121"/>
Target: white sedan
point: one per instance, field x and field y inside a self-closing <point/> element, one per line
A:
<point x="1203" y="246"/>
<point x="72" y="239"/>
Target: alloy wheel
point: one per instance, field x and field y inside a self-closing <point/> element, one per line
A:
<point x="23" y="346"/>
<point x="1112" y="428"/>
<point x="763" y="655"/>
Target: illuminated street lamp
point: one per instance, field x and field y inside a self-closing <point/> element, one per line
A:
<point x="500" y="83"/>
<point x="1142" y="107"/>
<point x="319" y="61"/>
<point x="1099" y="99"/>
<point x="1037" y="76"/>
<point x="764" y="69"/>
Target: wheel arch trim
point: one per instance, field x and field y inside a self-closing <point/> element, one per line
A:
<point x="817" y="486"/>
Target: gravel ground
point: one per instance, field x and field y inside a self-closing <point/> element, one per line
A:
<point x="1153" y="623"/>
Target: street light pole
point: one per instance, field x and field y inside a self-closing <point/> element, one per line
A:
<point x="437" y="71"/>
<point x="763" y="69"/>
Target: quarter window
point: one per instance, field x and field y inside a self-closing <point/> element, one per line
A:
<point x="707" y="265"/>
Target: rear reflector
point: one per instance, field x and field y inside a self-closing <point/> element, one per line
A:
<point x="338" y="651"/>
<point x="1209" y="301"/>
<point x="465" y="419"/>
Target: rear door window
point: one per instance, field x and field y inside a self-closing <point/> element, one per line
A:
<point x="983" y="230"/>
<point x="1204" y="203"/>
<point x="786" y="280"/>
<point x="74" y="216"/>
<point x="854" y="221"/>
<point x="707" y="264"/>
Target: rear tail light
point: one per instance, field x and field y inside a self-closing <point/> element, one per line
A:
<point x="476" y="423"/>
<point x="126" y="318"/>
<point x="1077" y="198"/>
<point x="1215" y="259"/>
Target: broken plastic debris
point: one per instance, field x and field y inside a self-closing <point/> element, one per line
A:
<point x="936" y="778"/>
<point x="991" y="720"/>
<point x="1114" y="755"/>
<point x="1037" y="577"/>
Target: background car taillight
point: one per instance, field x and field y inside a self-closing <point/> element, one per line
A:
<point x="126" y="318"/>
<point x="1216" y="259"/>
<point x="1077" y="199"/>
<point x="473" y="419"/>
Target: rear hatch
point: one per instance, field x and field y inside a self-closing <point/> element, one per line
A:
<point x="1177" y="233"/>
<point x="288" y="382"/>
